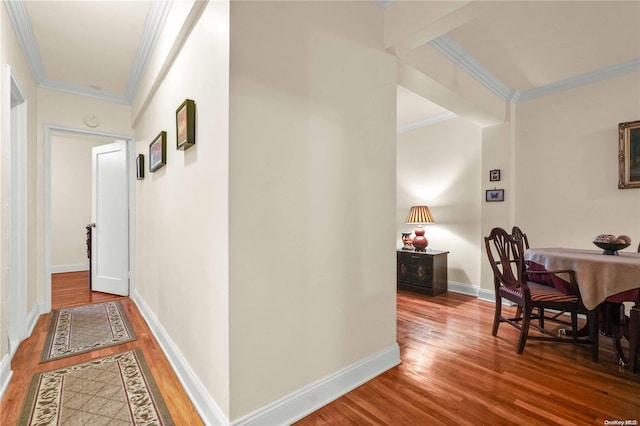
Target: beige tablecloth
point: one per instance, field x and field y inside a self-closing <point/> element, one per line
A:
<point x="599" y="276"/>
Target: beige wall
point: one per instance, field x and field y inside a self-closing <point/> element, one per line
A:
<point x="181" y="226"/>
<point x="300" y="153"/>
<point x="68" y="110"/>
<point x="312" y="194"/>
<point x="70" y="199"/>
<point x="497" y="153"/>
<point x="440" y="166"/>
<point x="566" y="165"/>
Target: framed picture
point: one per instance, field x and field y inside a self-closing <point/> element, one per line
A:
<point x="140" y="166"/>
<point x="186" y="125"/>
<point x="494" y="195"/>
<point x="629" y="155"/>
<point x="158" y="152"/>
<point x="494" y="175"/>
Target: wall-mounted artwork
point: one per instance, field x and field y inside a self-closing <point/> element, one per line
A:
<point x="494" y="195"/>
<point x="186" y="125"/>
<point x="158" y="152"/>
<point x="629" y="155"/>
<point x="494" y="175"/>
<point x="140" y="166"/>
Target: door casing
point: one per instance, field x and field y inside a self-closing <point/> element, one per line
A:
<point x="15" y="161"/>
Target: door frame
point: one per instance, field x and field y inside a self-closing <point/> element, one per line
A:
<point x="49" y="130"/>
<point x="15" y="146"/>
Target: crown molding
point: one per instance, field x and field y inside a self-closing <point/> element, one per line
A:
<point x="384" y="3"/>
<point x="74" y="89"/>
<point x="432" y="119"/>
<point x="456" y="54"/>
<point x="153" y="28"/>
<point x="581" y="80"/>
<point x="24" y="32"/>
<point x="22" y="27"/>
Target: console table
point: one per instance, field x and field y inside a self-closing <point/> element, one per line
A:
<point x="424" y="272"/>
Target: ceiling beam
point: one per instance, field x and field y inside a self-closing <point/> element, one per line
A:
<point x="408" y="25"/>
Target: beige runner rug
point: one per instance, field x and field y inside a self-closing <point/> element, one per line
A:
<point x="114" y="390"/>
<point x="86" y="328"/>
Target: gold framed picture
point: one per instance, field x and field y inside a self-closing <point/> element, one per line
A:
<point x="186" y="125"/>
<point x="629" y="155"/>
<point x="158" y="152"/>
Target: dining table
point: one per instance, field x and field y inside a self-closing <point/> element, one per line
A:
<point x="601" y="278"/>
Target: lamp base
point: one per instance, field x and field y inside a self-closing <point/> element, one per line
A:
<point x="420" y="242"/>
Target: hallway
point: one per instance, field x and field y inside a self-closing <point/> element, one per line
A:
<point x="69" y="290"/>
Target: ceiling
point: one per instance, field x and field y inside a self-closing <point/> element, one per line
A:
<point x="93" y="48"/>
<point x="101" y="48"/>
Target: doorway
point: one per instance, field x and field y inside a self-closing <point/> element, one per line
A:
<point x="56" y="134"/>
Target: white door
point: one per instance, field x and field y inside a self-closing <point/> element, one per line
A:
<point x="110" y="214"/>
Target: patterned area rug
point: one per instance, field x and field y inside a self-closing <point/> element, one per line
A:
<point x="86" y="328"/>
<point x="115" y="390"/>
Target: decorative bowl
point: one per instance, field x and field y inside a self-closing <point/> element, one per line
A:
<point x="611" y="249"/>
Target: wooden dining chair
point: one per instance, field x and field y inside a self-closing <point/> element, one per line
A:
<point x="634" y="335"/>
<point x="512" y="282"/>
<point x="517" y="233"/>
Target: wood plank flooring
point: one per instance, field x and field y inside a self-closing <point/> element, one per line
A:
<point x="70" y="290"/>
<point x="453" y="371"/>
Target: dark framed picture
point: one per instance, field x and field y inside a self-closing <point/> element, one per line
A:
<point x="186" y="125"/>
<point x="158" y="152"/>
<point x="494" y="175"/>
<point x="494" y="195"/>
<point x="629" y="155"/>
<point x="140" y="166"/>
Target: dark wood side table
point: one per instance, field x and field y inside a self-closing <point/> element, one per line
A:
<point x="424" y="272"/>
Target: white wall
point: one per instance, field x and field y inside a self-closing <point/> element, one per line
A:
<point x="181" y="237"/>
<point x="311" y="195"/>
<point x="567" y="168"/>
<point x="70" y="200"/>
<point x="440" y="166"/>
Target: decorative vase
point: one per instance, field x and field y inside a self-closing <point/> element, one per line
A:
<point x="420" y="241"/>
<point x="406" y="239"/>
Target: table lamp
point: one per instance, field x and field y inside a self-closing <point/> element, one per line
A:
<point x="420" y="215"/>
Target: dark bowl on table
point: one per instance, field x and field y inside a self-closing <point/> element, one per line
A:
<point x="611" y="248"/>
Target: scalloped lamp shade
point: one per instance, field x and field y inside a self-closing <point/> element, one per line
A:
<point x="420" y="215"/>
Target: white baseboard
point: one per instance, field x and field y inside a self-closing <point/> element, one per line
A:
<point x="468" y="289"/>
<point x="5" y="366"/>
<point x="307" y="400"/>
<point x="69" y="268"/>
<point x="5" y="374"/>
<point x="202" y="401"/>
<point x="487" y="295"/>
<point x="282" y="412"/>
<point x="34" y="315"/>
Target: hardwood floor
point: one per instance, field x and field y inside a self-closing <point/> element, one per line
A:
<point x="454" y="372"/>
<point x="70" y="290"/>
